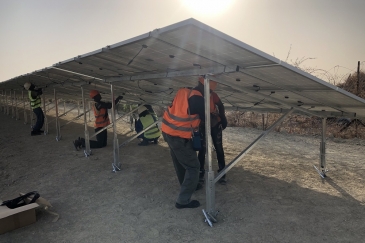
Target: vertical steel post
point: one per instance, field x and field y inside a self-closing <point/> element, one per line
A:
<point x="87" y="150"/>
<point x="89" y="103"/>
<point x="16" y="107"/>
<point x="45" y="115"/>
<point x="7" y="104"/>
<point x="25" y="112"/>
<point x="210" y="187"/>
<point x="78" y="108"/>
<point x="31" y="115"/>
<point x="58" y="130"/>
<point x="2" y="101"/>
<point x="322" y="165"/>
<point x="12" y="105"/>
<point x="116" y="163"/>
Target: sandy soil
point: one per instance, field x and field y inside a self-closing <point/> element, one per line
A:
<point x="272" y="195"/>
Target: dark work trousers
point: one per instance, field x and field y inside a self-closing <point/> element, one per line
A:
<point x="216" y="133"/>
<point x="40" y="119"/>
<point x="101" y="139"/>
<point x="186" y="165"/>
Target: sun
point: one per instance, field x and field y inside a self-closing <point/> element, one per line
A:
<point x="207" y="7"/>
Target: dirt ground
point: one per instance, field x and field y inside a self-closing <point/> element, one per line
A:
<point x="272" y="195"/>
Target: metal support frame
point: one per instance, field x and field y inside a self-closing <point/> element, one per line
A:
<point x="45" y="115"/>
<point x="78" y="108"/>
<point x="2" y="101"/>
<point x="111" y="124"/>
<point x="322" y="149"/>
<point x="25" y="112"/>
<point x="87" y="150"/>
<point x="58" y="130"/>
<point x="12" y="105"/>
<point x="210" y="212"/>
<point x="89" y="103"/>
<point x="130" y="139"/>
<point x="88" y="111"/>
<point x="116" y="162"/>
<point x="31" y="115"/>
<point x="16" y="107"/>
<point x="7" y="104"/>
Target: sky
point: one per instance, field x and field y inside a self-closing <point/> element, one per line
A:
<point x="35" y="34"/>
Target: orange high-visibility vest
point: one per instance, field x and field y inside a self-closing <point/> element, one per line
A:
<point x="176" y="121"/>
<point x="100" y="119"/>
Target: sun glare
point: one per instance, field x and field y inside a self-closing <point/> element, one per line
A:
<point x="207" y="7"/>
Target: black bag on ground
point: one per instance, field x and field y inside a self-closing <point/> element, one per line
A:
<point x="20" y="201"/>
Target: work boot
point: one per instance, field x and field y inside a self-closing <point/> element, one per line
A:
<point x="191" y="204"/>
<point x="223" y="180"/>
<point x="201" y="177"/>
<point x="35" y="133"/>
<point x="155" y="141"/>
<point x="143" y="143"/>
<point x="198" y="187"/>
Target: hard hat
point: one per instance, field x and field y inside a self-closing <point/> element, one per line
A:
<point x="27" y="85"/>
<point x="93" y="93"/>
<point x="212" y="84"/>
<point x="141" y="109"/>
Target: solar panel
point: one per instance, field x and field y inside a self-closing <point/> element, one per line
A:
<point x="153" y="66"/>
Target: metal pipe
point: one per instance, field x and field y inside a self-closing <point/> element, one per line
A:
<point x="252" y="145"/>
<point x="87" y="150"/>
<point x="16" y="107"/>
<point x="111" y="124"/>
<point x="72" y="119"/>
<point x="25" y="112"/>
<point x="45" y="115"/>
<point x="116" y="163"/>
<point x="210" y="187"/>
<point x="130" y="139"/>
<point x="322" y="164"/>
<point x="12" y="105"/>
<point x="58" y="130"/>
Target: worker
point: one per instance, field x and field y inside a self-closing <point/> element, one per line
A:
<point x="218" y="123"/>
<point x="180" y="121"/>
<point x="100" y="109"/>
<point x="34" y="95"/>
<point x="147" y="116"/>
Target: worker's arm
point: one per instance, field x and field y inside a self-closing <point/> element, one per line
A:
<point x="107" y="105"/>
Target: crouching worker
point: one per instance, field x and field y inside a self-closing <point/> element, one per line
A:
<point x="100" y="109"/>
<point x="35" y="102"/>
<point x="147" y="116"/>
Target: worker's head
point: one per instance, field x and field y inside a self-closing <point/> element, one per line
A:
<point x="212" y="84"/>
<point x="95" y="95"/>
<point x="27" y="85"/>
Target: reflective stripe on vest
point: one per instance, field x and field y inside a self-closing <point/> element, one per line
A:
<point x="154" y="131"/>
<point x="100" y="119"/>
<point x="34" y="103"/>
<point x="176" y="120"/>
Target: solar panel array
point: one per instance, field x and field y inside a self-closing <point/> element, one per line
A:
<point x="150" y="68"/>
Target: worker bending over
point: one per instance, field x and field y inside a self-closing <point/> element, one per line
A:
<point x="147" y="116"/>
